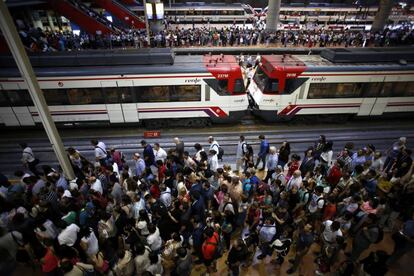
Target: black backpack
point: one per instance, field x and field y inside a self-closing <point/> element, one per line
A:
<point x="220" y="153"/>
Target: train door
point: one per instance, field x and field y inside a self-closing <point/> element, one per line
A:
<point x="113" y="106"/>
<point x="20" y="101"/>
<point x="372" y="105"/>
<point x="7" y="116"/>
<point x="128" y="104"/>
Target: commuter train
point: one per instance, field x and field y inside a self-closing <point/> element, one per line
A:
<point x="342" y="82"/>
<point x="333" y="14"/>
<point x="150" y="86"/>
<point x="200" y="12"/>
<point x="155" y="88"/>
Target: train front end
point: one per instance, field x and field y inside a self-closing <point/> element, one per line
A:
<point x="275" y="85"/>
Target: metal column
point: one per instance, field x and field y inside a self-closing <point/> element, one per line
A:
<point x="382" y="15"/>
<point x="272" y="18"/>
<point x="26" y="70"/>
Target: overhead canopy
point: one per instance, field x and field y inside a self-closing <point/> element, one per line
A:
<point x="368" y="55"/>
<point x="96" y="58"/>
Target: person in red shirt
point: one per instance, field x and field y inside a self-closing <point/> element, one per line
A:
<point x="209" y="248"/>
<point x="293" y="165"/>
<point x="329" y="211"/>
<point x="334" y="175"/>
<point x="155" y="189"/>
<point x="49" y="261"/>
<point x="162" y="170"/>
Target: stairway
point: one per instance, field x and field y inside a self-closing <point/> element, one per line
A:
<point x="122" y="12"/>
<point x="87" y="19"/>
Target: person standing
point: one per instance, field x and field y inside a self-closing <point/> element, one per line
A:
<point x="28" y="158"/>
<point x="264" y="150"/>
<point x="139" y="165"/>
<point x="148" y="154"/>
<point x="304" y="241"/>
<point x="271" y="163"/>
<point x="100" y="152"/>
<point x="209" y="248"/>
<point x="403" y="241"/>
<point x="240" y="153"/>
<point x="237" y="254"/>
<point x="159" y="153"/>
<point x="366" y="236"/>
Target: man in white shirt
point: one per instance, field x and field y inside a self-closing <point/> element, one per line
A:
<point x="241" y="151"/>
<point x="159" y="153"/>
<point x="89" y="243"/>
<point x="295" y="180"/>
<point x="331" y="230"/>
<point x="96" y="184"/>
<point x="199" y="149"/>
<point x="100" y="152"/>
<point x="165" y="196"/>
<point x="154" y="239"/>
<point x="28" y="158"/>
<point x="69" y="235"/>
<point x="213" y="145"/>
<point x="213" y="160"/>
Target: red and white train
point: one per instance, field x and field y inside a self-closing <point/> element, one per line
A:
<point x="200" y="90"/>
<point x="185" y="90"/>
<point x="361" y="82"/>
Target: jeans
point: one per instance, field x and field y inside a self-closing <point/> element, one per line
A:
<point x="263" y="159"/>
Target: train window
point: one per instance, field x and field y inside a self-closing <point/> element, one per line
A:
<point x="185" y="93"/>
<point x="85" y="96"/>
<point x="126" y="95"/>
<point x="410" y="89"/>
<point x="371" y="89"/>
<point x="239" y="87"/>
<point x="387" y="90"/>
<point x="334" y="90"/>
<point x="266" y="84"/>
<point x="402" y="89"/>
<point x="223" y="86"/>
<point x="321" y="90"/>
<point x="347" y="90"/>
<point x="292" y="84"/>
<point x="146" y="94"/>
<point x="19" y="98"/>
<point x="56" y="96"/>
<point x="3" y="99"/>
<point x="111" y="95"/>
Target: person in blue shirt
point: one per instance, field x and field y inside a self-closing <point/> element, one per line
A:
<point x="370" y="184"/>
<point x="139" y="165"/>
<point x="148" y="153"/>
<point x="264" y="150"/>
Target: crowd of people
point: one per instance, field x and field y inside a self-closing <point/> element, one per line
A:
<point x="166" y="210"/>
<point x="37" y="40"/>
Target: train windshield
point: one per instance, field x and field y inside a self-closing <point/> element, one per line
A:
<point x="239" y="87"/>
<point x="266" y="84"/>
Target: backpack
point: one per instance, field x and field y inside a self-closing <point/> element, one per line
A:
<point x="220" y="153"/>
<point x="218" y="252"/>
<point x="249" y="149"/>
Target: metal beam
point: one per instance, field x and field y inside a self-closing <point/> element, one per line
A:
<point x="272" y="18"/>
<point x="23" y="63"/>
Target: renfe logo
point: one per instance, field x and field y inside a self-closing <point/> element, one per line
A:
<point x="319" y="79"/>
<point x="222" y="76"/>
<point x="196" y="80"/>
<point x="291" y="75"/>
